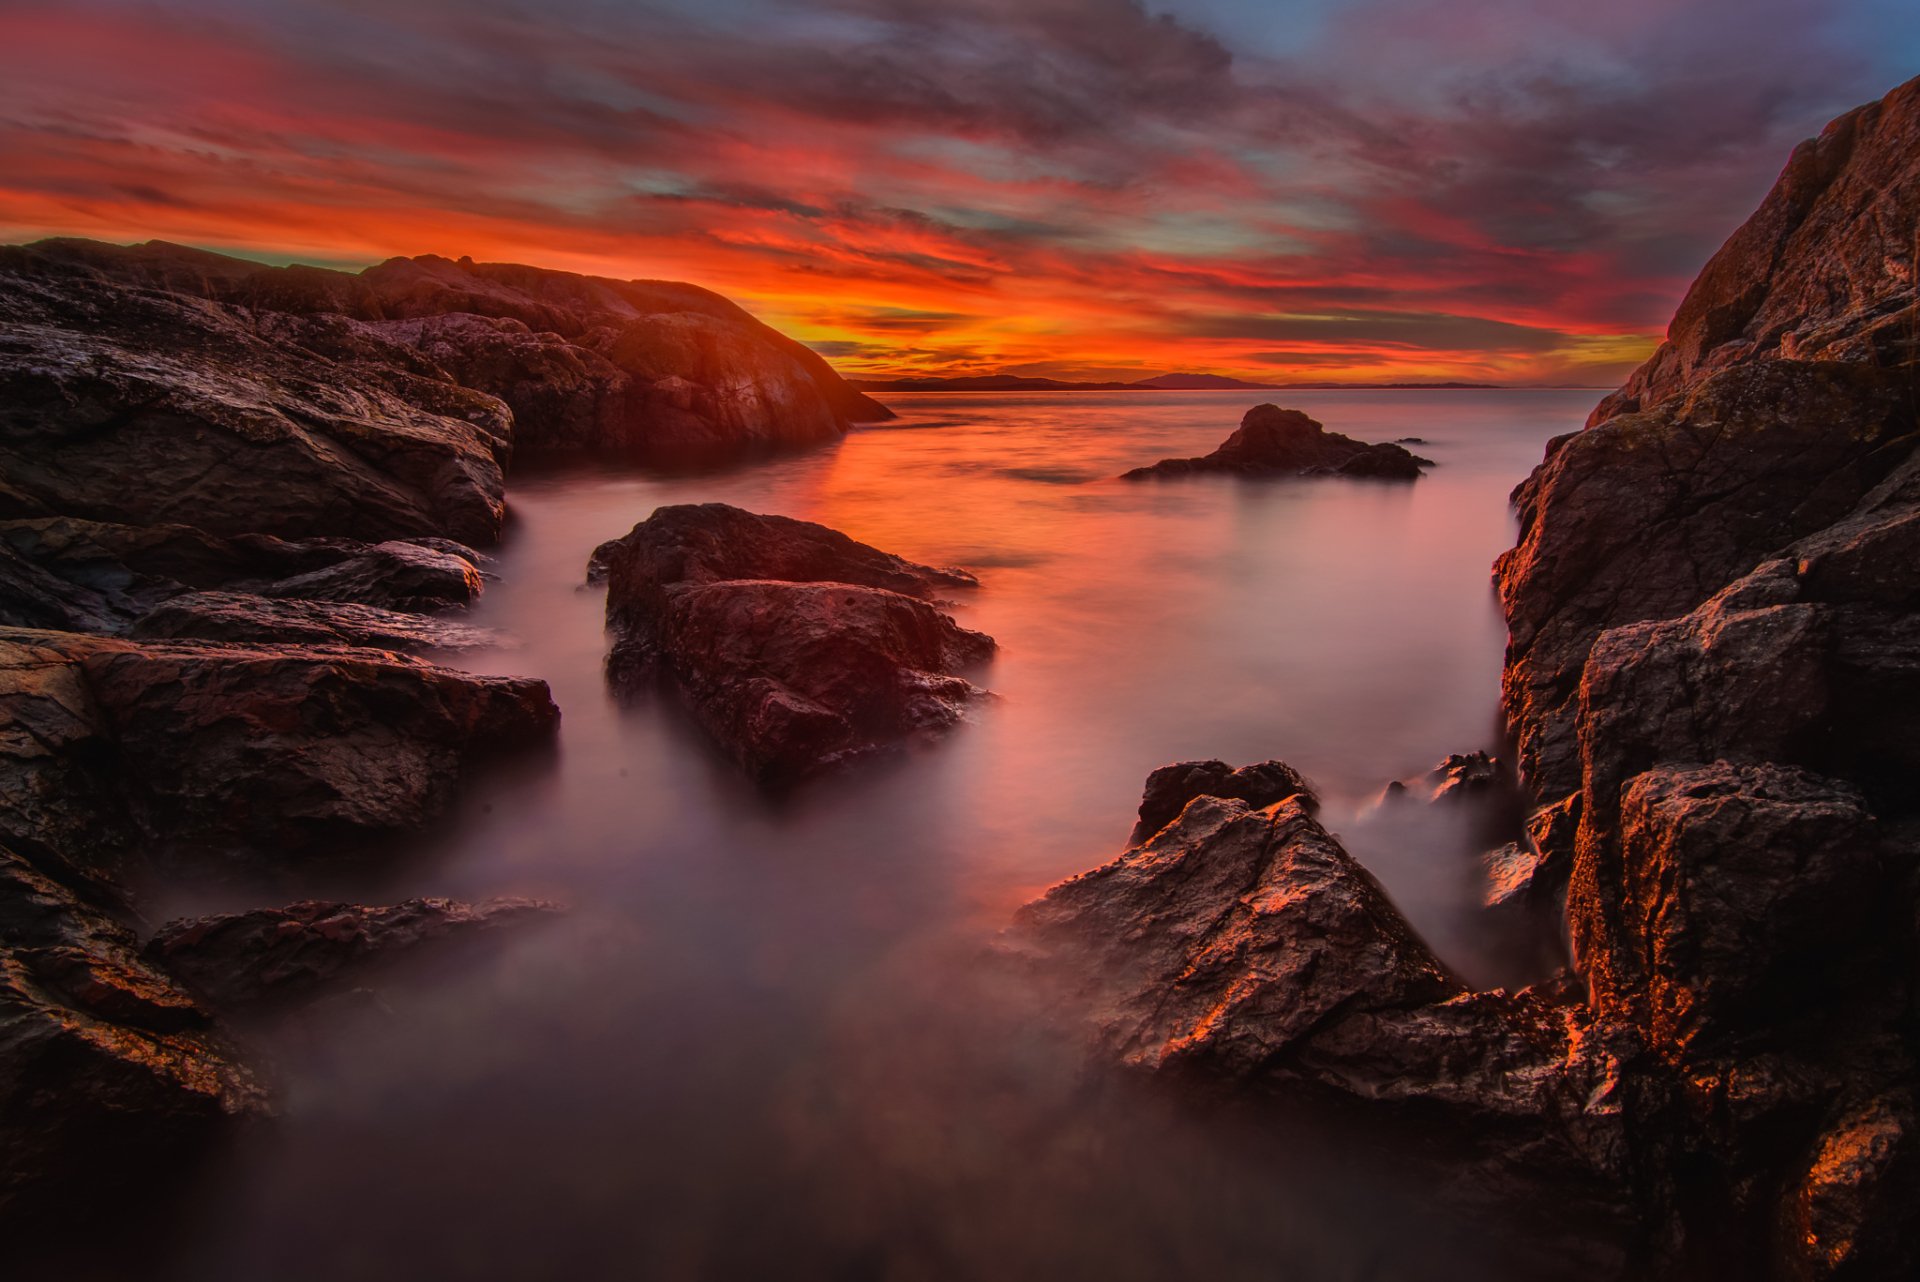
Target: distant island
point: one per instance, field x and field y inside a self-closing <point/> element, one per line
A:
<point x="1161" y="383"/>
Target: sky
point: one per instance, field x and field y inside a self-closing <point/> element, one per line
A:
<point x="1511" y="191"/>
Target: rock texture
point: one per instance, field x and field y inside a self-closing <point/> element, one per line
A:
<point x="1712" y="678"/>
<point x="385" y="403"/>
<point x="1240" y="947"/>
<point x="1276" y="442"/>
<point x="270" y="956"/>
<point x="796" y="647"/>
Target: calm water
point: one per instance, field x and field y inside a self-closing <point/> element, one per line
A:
<point x="763" y="1042"/>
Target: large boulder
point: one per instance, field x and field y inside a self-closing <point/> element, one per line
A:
<point x="1271" y="441"/>
<point x="796" y="647"/>
<point x="201" y="752"/>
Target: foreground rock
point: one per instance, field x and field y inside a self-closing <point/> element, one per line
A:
<point x="1240" y="947"/>
<point x="111" y="1075"/>
<point x="1276" y="442"/>
<point x="1711" y="675"/>
<point x="201" y="753"/>
<point x="796" y="647"/>
<point x="236" y="961"/>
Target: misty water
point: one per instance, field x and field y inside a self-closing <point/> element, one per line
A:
<point x="769" y="1037"/>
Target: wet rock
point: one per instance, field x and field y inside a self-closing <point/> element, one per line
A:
<point x="206" y="751"/>
<point x="578" y="364"/>
<point x="393" y="576"/>
<point x="1275" y="442"/>
<point x="1170" y="788"/>
<point x="1856" y="1211"/>
<point x="242" y="616"/>
<point x="1243" y="950"/>
<point x="109" y="1071"/>
<point x="1714" y="676"/>
<point x="145" y="407"/>
<point x="797" y="648"/>
<point x="235" y="961"/>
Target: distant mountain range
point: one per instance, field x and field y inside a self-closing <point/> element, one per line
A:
<point x="1162" y="383"/>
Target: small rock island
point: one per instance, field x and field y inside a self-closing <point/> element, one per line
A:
<point x="1276" y="442"/>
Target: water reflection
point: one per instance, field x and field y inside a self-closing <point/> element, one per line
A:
<point x="763" y="1043"/>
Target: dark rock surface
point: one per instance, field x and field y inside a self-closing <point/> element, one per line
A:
<point x="244" y="616"/>
<point x="1240" y="947"/>
<point x="110" y="1073"/>
<point x="1712" y="677"/>
<point x="201" y="752"/>
<point x="1276" y="442"/>
<point x="797" y="648"/>
<point x="270" y="956"/>
<point x="1170" y="788"/>
<point x="371" y="393"/>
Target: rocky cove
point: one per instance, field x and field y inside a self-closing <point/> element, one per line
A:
<point x="1707" y="684"/>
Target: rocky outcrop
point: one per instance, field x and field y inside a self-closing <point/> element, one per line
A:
<point x="244" y="616"/>
<point x="1241" y="948"/>
<point x="1276" y="442"/>
<point x="797" y="648"/>
<point x="1170" y="788"/>
<point x="272" y="956"/>
<point x="364" y="392"/>
<point x="198" y="752"/>
<point x="1711" y="675"/>
<point x="110" y="1072"/>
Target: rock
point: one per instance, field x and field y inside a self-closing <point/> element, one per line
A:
<point x="579" y="364"/>
<point x="1853" y="1214"/>
<point x="1170" y="788"/>
<point x="393" y="576"/>
<point x="242" y="616"/>
<point x="201" y="752"/>
<point x="144" y="407"/>
<point x="110" y="1075"/>
<point x="1273" y="442"/>
<point x="1714" y="677"/>
<point x="1243" y="949"/>
<point x="797" y="648"/>
<point x="235" y="961"/>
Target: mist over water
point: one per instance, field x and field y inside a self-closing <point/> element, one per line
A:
<point x="766" y="1040"/>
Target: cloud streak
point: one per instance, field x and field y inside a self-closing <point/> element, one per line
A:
<point x="1494" y="190"/>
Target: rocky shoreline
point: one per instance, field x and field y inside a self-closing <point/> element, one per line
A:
<point x="1711" y="684"/>
<point x="229" y="495"/>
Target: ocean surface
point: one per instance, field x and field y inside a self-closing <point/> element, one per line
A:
<point x="769" y="1038"/>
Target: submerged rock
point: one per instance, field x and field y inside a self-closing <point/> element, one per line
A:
<point x="234" y="961"/>
<point x="1276" y="442"/>
<point x="796" y="647"/>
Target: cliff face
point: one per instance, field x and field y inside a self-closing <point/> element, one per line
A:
<point x="1715" y="661"/>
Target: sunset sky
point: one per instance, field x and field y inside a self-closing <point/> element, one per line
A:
<point x="1492" y="190"/>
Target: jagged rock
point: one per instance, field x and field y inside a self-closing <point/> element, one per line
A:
<point x="1170" y="788"/>
<point x="109" y="1073"/>
<point x="1243" y="949"/>
<point x="1714" y="677"/>
<point x="1856" y="1212"/>
<point x="797" y="648"/>
<point x="242" y="616"/>
<point x="265" y="752"/>
<point x="144" y="407"/>
<point x="233" y="961"/>
<point x="1272" y="442"/>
